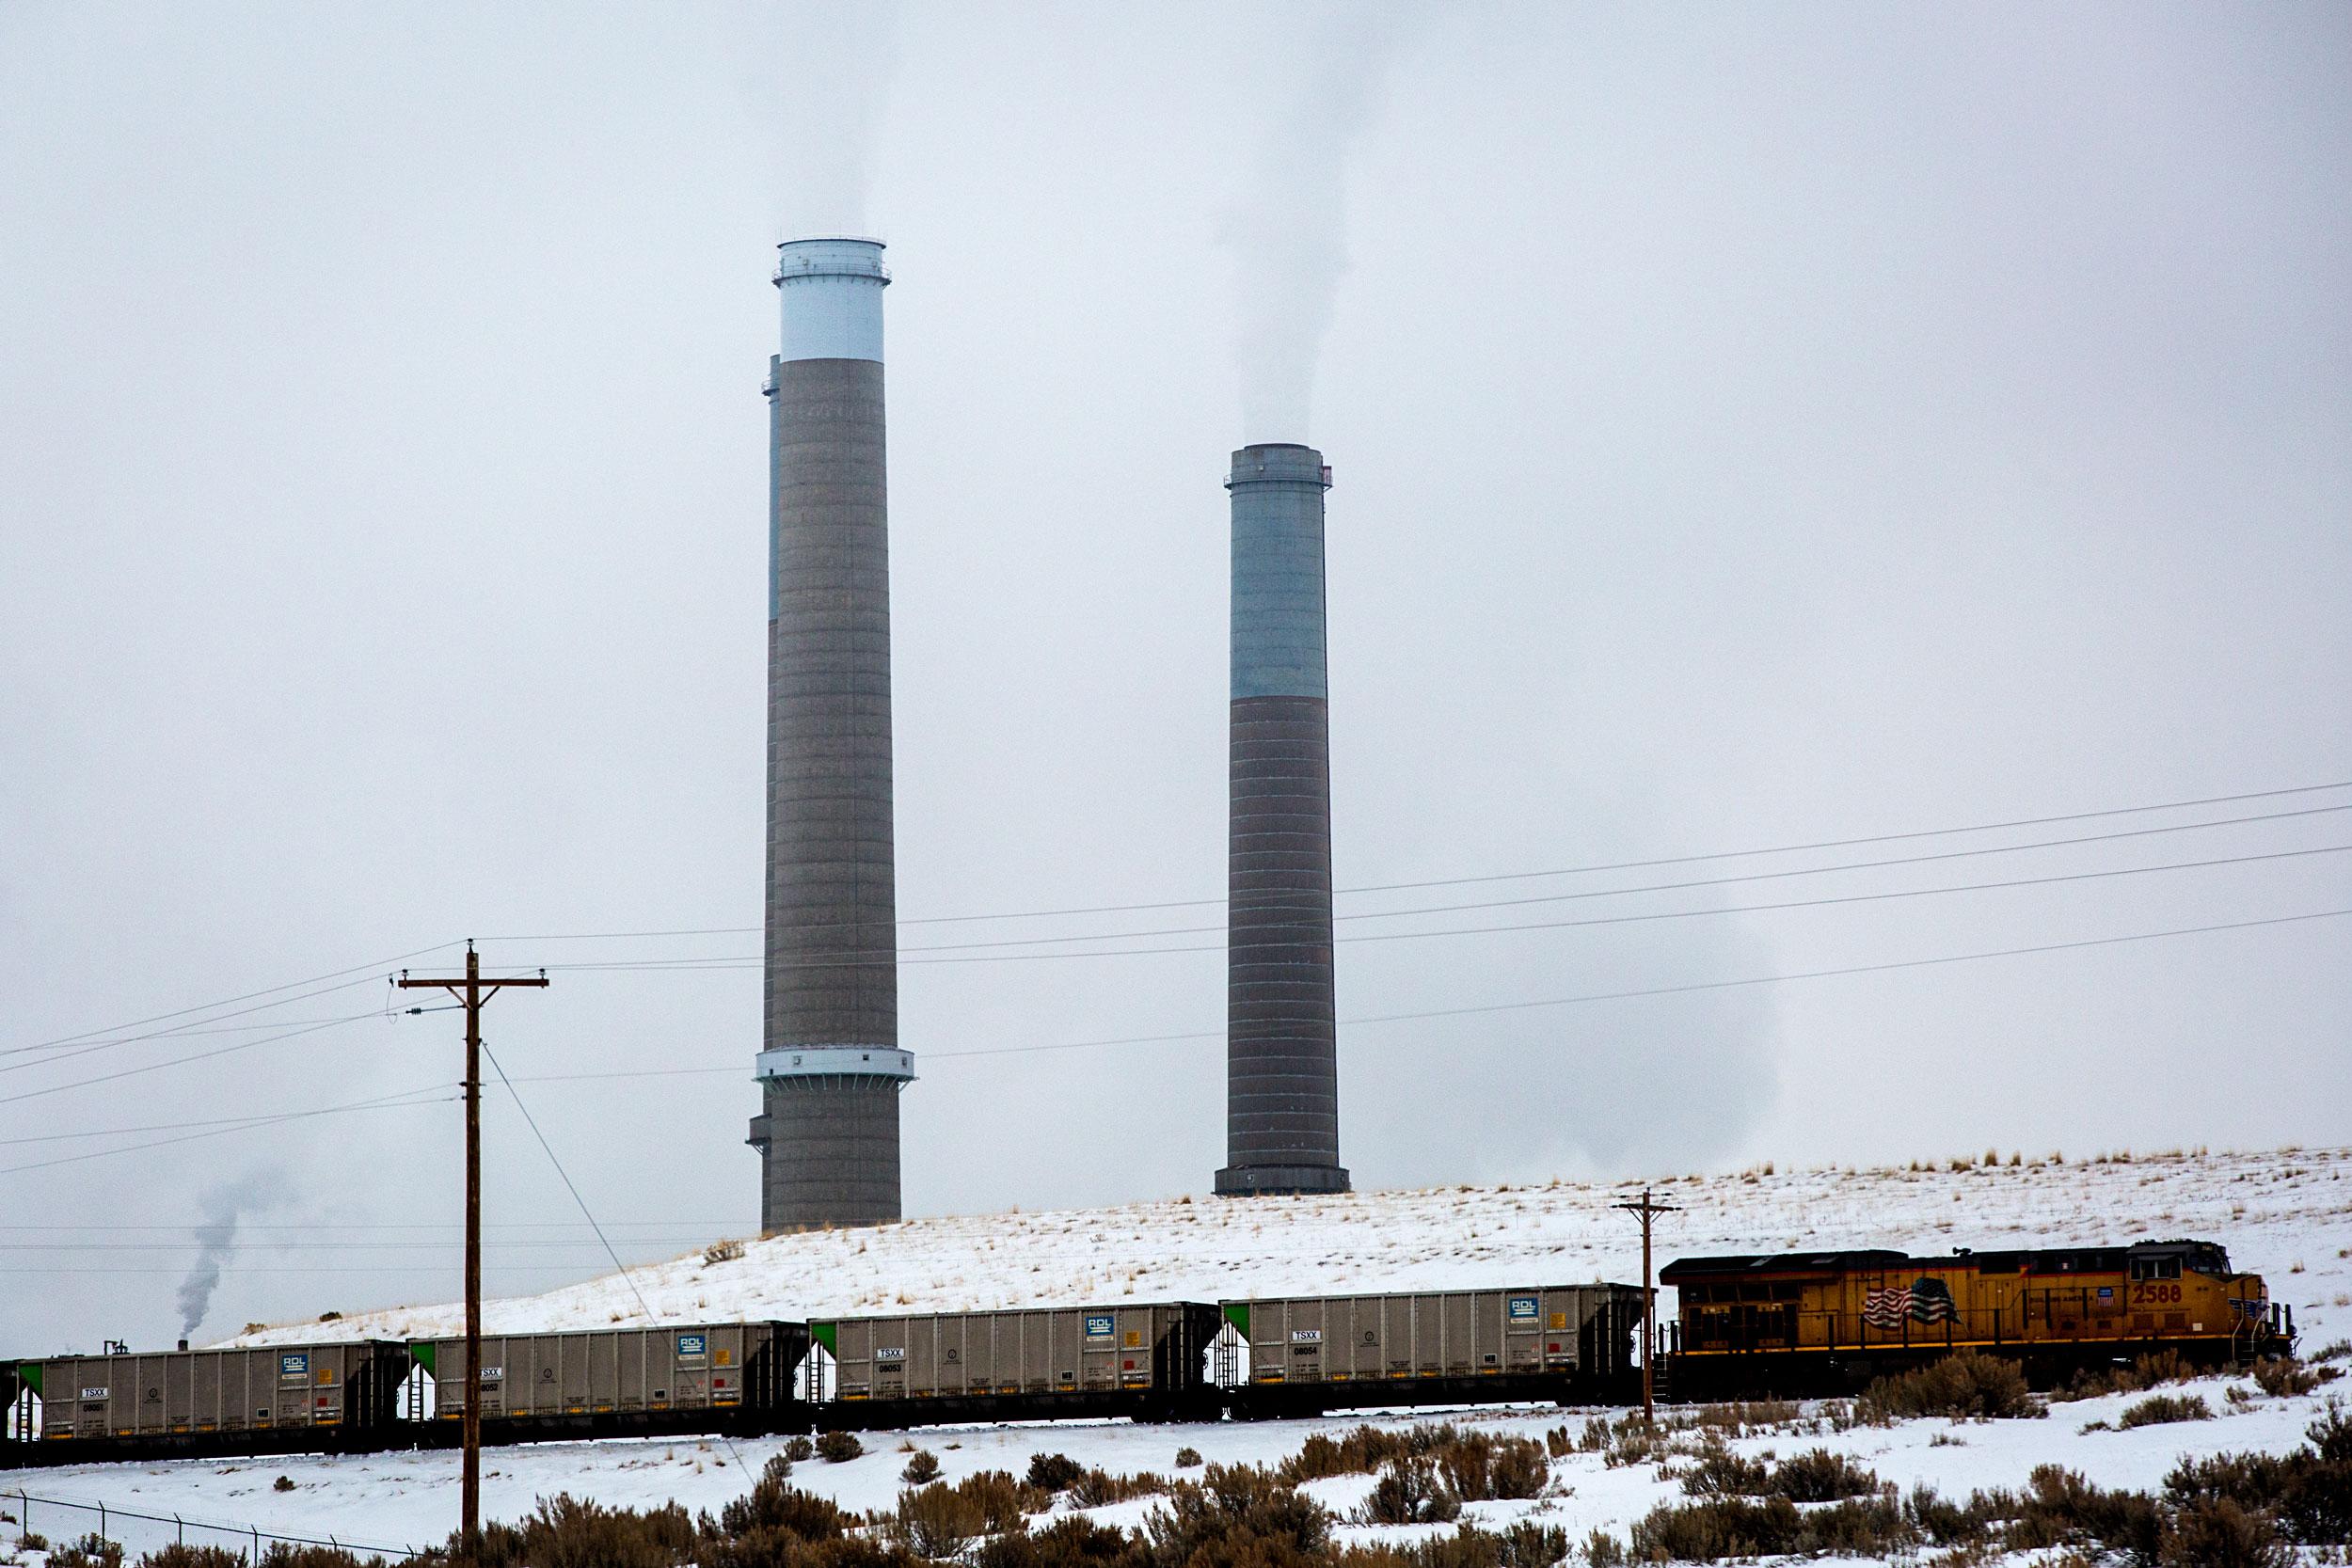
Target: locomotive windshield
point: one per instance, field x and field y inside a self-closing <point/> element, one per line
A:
<point x="2167" y="1259"/>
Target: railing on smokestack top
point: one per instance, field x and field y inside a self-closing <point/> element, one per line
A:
<point x="830" y="265"/>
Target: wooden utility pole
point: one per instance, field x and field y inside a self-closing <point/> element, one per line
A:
<point x="1649" y="1209"/>
<point x="471" y="991"/>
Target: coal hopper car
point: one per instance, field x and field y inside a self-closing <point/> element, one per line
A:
<point x="1568" y="1344"/>
<point x="736" y="1378"/>
<point x="277" y="1398"/>
<point x="1146" y="1360"/>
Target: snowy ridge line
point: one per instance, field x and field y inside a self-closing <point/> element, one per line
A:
<point x="2285" y="1214"/>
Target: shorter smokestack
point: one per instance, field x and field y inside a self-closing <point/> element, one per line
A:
<point x="1282" y="1035"/>
<point x="183" y="1344"/>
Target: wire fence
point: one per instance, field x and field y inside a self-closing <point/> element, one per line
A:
<point x="64" y="1522"/>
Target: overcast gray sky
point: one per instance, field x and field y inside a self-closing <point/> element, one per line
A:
<point x="1753" y="426"/>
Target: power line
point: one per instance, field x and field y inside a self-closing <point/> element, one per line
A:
<point x="847" y="961"/>
<point x="1424" y="1015"/>
<point x="1849" y="866"/>
<point x="644" y="1305"/>
<point x="192" y="1137"/>
<point x="83" y="1048"/>
<point x="1866" y="969"/>
<point x="1653" y="887"/>
<point x="1517" y="876"/>
<point x="163" y="1127"/>
<point x="1193" y="1035"/>
<point x="1735" y="984"/>
<point x="548" y="1149"/>
<point x="1549" y="1002"/>
<point x="179" y="1061"/>
<point x="370" y="969"/>
<point x="87" y="1036"/>
<point x="305" y="1026"/>
<point x="1875" y="838"/>
<point x="1863" y="897"/>
<point x="184" y="1031"/>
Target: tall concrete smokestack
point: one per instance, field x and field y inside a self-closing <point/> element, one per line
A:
<point x="831" y="1067"/>
<point x="1281" y="1033"/>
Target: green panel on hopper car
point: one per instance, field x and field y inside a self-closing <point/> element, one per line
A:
<point x="424" y="1355"/>
<point x="827" y="1336"/>
<point x="1237" y="1313"/>
<point x="30" y="1372"/>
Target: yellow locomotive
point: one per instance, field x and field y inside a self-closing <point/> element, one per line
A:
<point x="1822" y="1321"/>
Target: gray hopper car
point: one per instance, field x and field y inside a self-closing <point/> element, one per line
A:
<point x="707" y="1377"/>
<point x="282" y="1398"/>
<point x="1147" y="1360"/>
<point x="1570" y="1343"/>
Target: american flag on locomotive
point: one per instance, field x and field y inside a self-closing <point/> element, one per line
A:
<point x="1924" y="1300"/>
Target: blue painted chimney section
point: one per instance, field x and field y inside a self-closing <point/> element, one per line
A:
<point x="1277" y="571"/>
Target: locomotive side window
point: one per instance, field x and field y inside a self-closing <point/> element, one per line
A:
<point x="2155" y="1268"/>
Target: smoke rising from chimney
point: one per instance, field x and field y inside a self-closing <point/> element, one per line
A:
<point x="1287" y="230"/>
<point x="818" y="75"/>
<point x="225" y="1208"/>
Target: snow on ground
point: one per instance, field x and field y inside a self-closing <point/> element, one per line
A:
<point x="2275" y="1211"/>
<point x="2286" y="1214"/>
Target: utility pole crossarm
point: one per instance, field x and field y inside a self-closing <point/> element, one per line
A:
<point x="458" y="983"/>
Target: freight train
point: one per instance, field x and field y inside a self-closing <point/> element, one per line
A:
<point x="1786" y="1324"/>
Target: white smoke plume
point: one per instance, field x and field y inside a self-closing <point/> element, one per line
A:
<point x="1287" y="229"/>
<point x="225" y="1208"/>
<point x="817" y="73"/>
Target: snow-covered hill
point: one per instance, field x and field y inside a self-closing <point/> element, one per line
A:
<point x="2286" y="1214"/>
